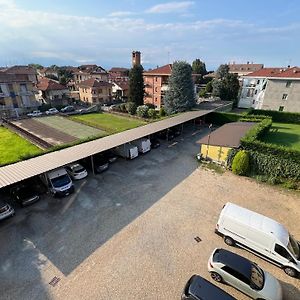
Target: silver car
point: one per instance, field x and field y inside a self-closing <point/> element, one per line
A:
<point x="244" y="275"/>
<point x="5" y="210"/>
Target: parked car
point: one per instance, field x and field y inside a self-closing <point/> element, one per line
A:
<point x="244" y="275"/>
<point x="198" y="288"/>
<point x="67" y="109"/>
<point x="52" y="111"/>
<point x="35" y="113"/>
<point x="5" y="210"/>
<point x="76" y="171"/>
<point x="166" y="135"/>
<point x="110" y="156"/>
<point x="101" y="163"/>
<point x="24" y="194"/>
<point x="59" y="182"/>
<point x="155" y="143"/>
<point x="261" y="235"/>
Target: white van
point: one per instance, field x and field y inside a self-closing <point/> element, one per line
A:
<point x="127" y="151"/>
<point x="261" y="236"/>
<point x="144" y="145"/>
<point x="59" y="182"/>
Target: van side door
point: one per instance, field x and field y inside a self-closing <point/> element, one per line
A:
<point x="282" y="255"/>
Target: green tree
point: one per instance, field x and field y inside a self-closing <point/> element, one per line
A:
<point x="36" y="66"/>
<point x="199" y="67"/>
<point x="181" y="95"/>
<point x="226" y="85"/>
<point x="136" y="85"/>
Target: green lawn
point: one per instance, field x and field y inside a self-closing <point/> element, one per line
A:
<point x="13" y="147"/>
<point x="70" y="127"/>
<point x="285" y="135"/>
<point x="109" y="122"/>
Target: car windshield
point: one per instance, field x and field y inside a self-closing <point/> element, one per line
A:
<point x="78" y="169"/>
<point x="293" y="246"/>
<point x="257" y="277"/>
<point x="60" y="181"/>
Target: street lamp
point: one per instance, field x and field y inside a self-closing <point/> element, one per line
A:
<point x="210" y="126"/>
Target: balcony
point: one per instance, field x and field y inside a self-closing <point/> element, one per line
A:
<point x="25" y="93"/>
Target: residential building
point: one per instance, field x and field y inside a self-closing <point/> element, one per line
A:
<point x="17" y="94"/>
<point x="217" y="144"/>
<point x="120" y="90"/>
<point x="244" y="69"/>
<point x="30" y="72"/>
<point x="45" y="72"/>
<point x="272" y="89"/>
<point x="118" y="74"/>
<point x="52" y="92"/>
<point x="86" y="72"/>
<point x="156" y="85"/>
<point x="94" y="91"/>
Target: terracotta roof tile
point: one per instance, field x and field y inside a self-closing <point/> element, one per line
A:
<point x="265" y="72"/>
<point x="47" y="84"/>
<point x="164" y="70"/>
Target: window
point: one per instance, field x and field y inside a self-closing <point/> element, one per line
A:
<point x="156" y="89"/>
<point x="257" y="278"/>
<point x="1" y="91"/>
<point x="288" y="84"/>
<point x="255" y="92"/>
<point x="236" y="274"/>
<point x="282" y="252"/>
<point x="284" y="96"/>
<point x="258" y="81"/>
<point x="100" y="91"/>
<point x="294" y="247"/>
<point x="281" y="108"/>
<point x="156" y="79"/>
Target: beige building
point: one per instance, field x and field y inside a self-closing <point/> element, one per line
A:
<point x="85" y="72"/>
<point x="244" y="69"/>
<point x="17" y="94"/>
<point x="272" y="89"/>
<point x="94" y="91"/>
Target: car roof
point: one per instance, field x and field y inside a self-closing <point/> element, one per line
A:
<point x="234" y="261"/>
<point x="204" y="290"/>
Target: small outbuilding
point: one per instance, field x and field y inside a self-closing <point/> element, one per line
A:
<point x="216" y="145"/>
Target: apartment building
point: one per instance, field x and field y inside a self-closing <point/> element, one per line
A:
<point x="86" y="72"/>
<point x="118" y="74"/>
<point x="17" y="94"/>
<point x="52" y="92"/>
<point x="272" y="89"/>
<point x="94" y="91"/>
<point x="156" y="85"/>
<point x="244" y="69"/>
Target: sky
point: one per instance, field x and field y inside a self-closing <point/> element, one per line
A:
<point x="105" y="32"/>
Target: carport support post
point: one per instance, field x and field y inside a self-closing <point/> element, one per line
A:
<point x="208" y="140"/>
<point x="92" y="162"/>
<point x="168" y="134"/>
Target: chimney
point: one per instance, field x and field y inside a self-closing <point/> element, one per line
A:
<point x="136" y="58"/>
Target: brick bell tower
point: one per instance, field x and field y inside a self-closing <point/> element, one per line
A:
<point x="136" y="58"/>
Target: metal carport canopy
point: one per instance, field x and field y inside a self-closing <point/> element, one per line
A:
<point x="28" y="168"/>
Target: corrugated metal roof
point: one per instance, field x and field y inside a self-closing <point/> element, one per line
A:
<point x="25" y="169"/>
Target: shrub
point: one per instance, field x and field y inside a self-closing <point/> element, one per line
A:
<point x="131" y="107"/>
<point x="231" y="154"/>
<point x="142" y="111"/>
<point x="150" y="105"/>
<point x="152" y="113"/>
<point x="279" y="116"/>
<point x="290" y="184"/>
<point x="162" y="112"/>
<point x="123" y="107"/>
<point x="240" y="164"/>
<point x="117" y="108"/>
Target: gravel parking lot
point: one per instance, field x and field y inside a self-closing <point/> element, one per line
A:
<point x="129" y="232"/>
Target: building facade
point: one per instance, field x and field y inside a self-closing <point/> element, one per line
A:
<point x="244" y="69"/>
<point x="94" y="91"/>
<point x="156" y="84"/>
<point x="272" y="89"/>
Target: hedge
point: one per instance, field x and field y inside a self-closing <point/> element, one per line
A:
<point x="278" y="116"/>
<point x="221" y="118"/>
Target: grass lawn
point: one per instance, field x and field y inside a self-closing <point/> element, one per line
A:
<point x="13" y="147"/>
<point x="284" y="134"/>
<point x="70" y="127"/>
<point x="109" y="122"/>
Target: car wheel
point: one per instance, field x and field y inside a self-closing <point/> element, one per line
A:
<point x="290" y="271"/>
<point x="216" y="277"/>
<point x="229" y="241"/>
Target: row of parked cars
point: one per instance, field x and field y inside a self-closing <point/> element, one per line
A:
<point x="59" y="182"/>
<point x="52" y="111"/>
<point x="258" y="234"/>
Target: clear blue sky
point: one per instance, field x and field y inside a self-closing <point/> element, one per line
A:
<point x="105" y="32"/>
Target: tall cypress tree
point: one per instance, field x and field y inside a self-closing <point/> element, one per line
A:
<point x="136" y="85"/>
<point x="180" y="96"/>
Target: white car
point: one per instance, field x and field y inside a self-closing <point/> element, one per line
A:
<point x="52" y="111"/>
<point x="76" y="171"/>
<point x="35" y="113"/>
<point x="244" y="275"/>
